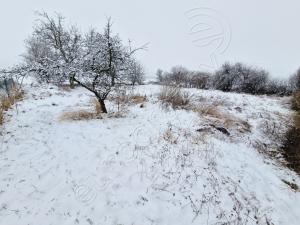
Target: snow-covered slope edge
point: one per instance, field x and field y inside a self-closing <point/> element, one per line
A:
<point x="153" y="166"/>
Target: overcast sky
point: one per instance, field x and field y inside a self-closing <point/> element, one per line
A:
<point x="198" y="34"/>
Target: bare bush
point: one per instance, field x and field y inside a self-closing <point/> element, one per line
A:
<point x="136" y="73"/>
<point x="174" y="97"/>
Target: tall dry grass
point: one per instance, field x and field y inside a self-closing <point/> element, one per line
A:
<point x="173" y="96"/>
<point x="7" y="101"/>
<point x="83" y="114"/>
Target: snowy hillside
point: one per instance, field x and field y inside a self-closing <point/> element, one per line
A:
<point x="218" y="164"/>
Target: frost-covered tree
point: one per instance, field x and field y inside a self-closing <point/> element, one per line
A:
<point x="225" y="78"/>
<point x="53" y="50"/>
<point x="253" y="81"/>
<point x="199" y="79"/>
<point x="183" y="77"/>
<point x="99" y="62"/>
<point x="278" y="87"/>
<point x="96" y="61"/>
<point x="12" y="78"/>
<point x="136" y="73"/>
<point x="105" y="63"/>
<point x="178" y="75"/>
<point x="241" y="78"/>
<point x="159" y="75"/>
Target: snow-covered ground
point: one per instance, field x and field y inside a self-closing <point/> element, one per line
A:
<point x="151" y="166"/>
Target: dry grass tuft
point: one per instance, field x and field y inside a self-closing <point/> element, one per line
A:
<point x="84" y="114"/>
<point x="6" y="102"/>
<point x="128" y="99"/>
<point x="79" y="115"/>
<point x="243" y="126"/>
<point x="65" y="87"/>
<point x="138" y="99"/>
<point x="97" y="106"/>
<point x="1" y="116"/>
<point x="213" y="114"/>
<point x="169" y="135"/>
<point x="208" y="111"/>
<point x="174" y="97"/>
<point x="119" y="114"/>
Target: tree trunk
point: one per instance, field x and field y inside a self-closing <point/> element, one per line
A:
<point x="102" y="105"/>
<point x="71" y="81"/>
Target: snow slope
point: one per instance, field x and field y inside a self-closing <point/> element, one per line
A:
<point x="152" y="166"/>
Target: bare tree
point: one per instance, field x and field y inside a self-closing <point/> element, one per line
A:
<point x="159" y="75"/>
<point x="136" y="73"/>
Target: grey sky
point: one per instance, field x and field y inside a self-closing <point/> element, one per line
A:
<point x="264" y="32"/>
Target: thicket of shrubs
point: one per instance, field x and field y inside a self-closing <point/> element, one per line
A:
<point x="182" y="77"/>
<point x="291" y="146"/>
<point x="236" y="77"/>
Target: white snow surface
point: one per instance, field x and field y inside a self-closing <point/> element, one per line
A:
<point x="151" y="166"/>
